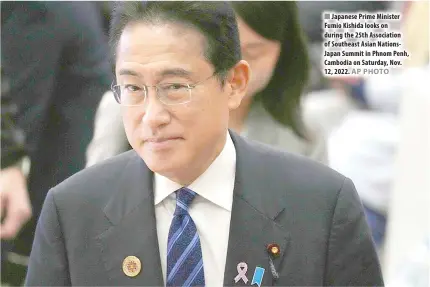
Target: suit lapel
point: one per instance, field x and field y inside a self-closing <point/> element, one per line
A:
<point x="253" y="226"/>
<point x="133" y="231"/>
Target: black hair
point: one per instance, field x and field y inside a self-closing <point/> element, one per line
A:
<point x="215" y="20"/>
<point x="279" y="21"/>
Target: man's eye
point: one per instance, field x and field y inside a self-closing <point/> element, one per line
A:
<point x="132" y="88"/>
<point x="174" y="87"/>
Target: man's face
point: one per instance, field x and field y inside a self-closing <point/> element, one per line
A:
<point x="173" y="140"/>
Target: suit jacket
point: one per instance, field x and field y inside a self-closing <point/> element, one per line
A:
<point x="12" y="137"/>
<point x="54" y="55"/>
<point x="98" y="217"/>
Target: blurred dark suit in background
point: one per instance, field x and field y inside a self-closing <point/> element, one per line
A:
<point x="54" y="56"/>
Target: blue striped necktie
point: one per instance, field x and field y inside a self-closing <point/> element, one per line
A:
<point x="184" y="253"/>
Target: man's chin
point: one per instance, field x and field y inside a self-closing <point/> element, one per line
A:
<point x="162" y="166"/>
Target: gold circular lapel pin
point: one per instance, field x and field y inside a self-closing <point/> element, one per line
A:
<point x="131" y="266"/>
<point x="274" y="249"/>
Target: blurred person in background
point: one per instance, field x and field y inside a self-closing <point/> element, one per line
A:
<point x="365" y="144"/>
<point x="54" y="57"/>
<point x="364" y="147"/>
<point x="14" y="198"/>
<point x="326" y="102"/>
<point x="311" y="12"/>
<point x="406" y="229"/>
<point x="105" y="8"/>
<point x="16" y="209"/>
<point x="407" y="247"/>
<point x="273" y="43"/>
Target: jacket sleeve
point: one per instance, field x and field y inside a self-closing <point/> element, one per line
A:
<point x="352" y="259"/>
<point x="48" y="259"/>
<point x="12" y="137"/>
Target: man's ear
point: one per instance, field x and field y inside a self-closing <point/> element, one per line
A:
<point x="237" y="80"/>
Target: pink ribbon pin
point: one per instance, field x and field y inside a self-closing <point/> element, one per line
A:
<point x="242" y="267"/>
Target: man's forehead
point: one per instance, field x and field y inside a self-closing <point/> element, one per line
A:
<point x="140" y="50"/>
<point x="159" y="35"/>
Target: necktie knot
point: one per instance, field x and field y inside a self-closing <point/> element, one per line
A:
<point x="184" y="197"/>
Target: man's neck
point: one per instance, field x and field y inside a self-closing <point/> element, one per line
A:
<point x="238" y="116"/>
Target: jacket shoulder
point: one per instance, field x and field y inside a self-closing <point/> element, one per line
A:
<point x="297" y="171"/>
<point x="94" y="183"/>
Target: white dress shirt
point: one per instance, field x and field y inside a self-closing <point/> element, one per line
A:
<point x="210" y="211"/>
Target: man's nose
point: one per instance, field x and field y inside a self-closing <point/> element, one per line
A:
<point x="155" y="112"/>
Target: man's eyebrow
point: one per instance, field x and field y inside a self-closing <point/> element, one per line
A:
<point x="127" y="72"/>
<point x="164" y="73"/>
<point x="175" y="72"/>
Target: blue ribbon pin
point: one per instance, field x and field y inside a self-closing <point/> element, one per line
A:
<point x="258" y="276"/>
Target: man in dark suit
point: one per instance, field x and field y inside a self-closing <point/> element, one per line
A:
<point x="194" y="204"/>
<point x="14" y="198"/>
<point x="54" y="56"/>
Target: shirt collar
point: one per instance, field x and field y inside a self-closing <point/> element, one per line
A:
<point x="216" y="184"/>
